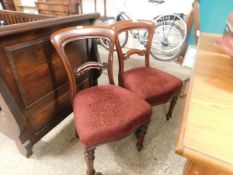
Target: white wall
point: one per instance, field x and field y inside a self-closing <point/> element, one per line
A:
<point x="26" y="6"/>
<point x="140" y="9"/>
<point x="28" y="3"/>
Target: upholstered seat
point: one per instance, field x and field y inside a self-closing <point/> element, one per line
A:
<point x="107" y="113"/>
<point x="153" y="85"/>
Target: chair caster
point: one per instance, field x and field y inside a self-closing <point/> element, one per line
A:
<point x="168" y="116"/>
<point x="96" y="173"/>
<point x="139" y="146"/>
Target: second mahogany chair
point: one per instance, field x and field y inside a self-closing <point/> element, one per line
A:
<point x="102" y="113"/>
<point x="153" y="85"/>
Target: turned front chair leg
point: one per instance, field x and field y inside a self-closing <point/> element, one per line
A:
<point x="140" y="135"/>
<point x="171" y="107"/>
<point x="90" y="157"/>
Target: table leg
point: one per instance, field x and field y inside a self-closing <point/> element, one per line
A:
<point x="194" y="168"/>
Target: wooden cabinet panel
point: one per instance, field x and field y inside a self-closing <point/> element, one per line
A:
<point x="32" y="67"/>
<point x="57" y="8"/>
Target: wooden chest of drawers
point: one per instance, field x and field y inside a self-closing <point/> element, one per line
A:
<point x="34" y="90"/>
<point x="57" y="7"/>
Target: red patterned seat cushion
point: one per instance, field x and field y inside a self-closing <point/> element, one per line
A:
<point x="107" y="113"/>
<point x="153" y="85"/>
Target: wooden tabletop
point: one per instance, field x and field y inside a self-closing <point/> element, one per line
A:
<point x="206" y="131"/>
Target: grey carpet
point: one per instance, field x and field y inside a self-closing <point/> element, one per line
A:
<point x="59" y="152"/>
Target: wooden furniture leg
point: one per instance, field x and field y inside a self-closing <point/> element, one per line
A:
<point x="171" y="107"/>
<point x="105" y="8"/>
<point x="76" y="135"/>
<point x="95" y="5"/>
<point x="24" y="148"/>
<point x="81" y="6"/>
<point x="140" y="135"/>
<point x="90" y="157"/>
<point x="194" y="168"/>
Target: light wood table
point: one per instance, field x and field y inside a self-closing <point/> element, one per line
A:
<point x="206" y="131"/>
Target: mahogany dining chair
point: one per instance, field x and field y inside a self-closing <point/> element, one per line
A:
<point x="153" y="85"/>
<point x="102" y="113"/>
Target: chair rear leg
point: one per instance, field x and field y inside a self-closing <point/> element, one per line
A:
<point x="140" y="135"/>
<point x="90" y="157"/>
<point x="171" y="107"/>
<point x="76" y="135"/>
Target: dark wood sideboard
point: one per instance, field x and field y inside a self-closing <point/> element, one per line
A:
<point x="34" y="92"/>
<point x="58" y="7"/>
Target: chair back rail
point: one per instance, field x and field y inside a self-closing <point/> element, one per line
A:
<point x="131" y="25"/>
<point x="65" y="36"/>
<point x="12" y="17"/>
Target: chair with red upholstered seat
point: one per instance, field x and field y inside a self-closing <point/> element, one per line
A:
<point x="153" y="85"/>
<point x="102" y="113"/>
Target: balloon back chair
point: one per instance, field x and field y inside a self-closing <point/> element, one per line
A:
<point x="153" y="85"/>
<point x="101" y="113"/>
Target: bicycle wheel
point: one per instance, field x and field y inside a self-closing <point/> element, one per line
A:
<point x="123" y="37"/>
<point x="170" y="35"/>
